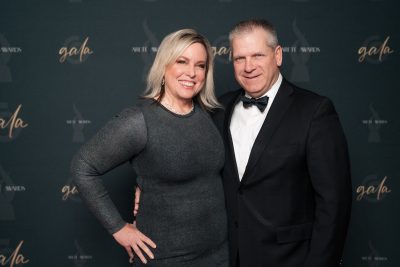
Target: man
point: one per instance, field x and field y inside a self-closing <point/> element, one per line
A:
<point x="286" y="176"/>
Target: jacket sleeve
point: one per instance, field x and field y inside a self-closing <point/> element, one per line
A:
<point x="117" y="142"/>
<point x="329" y="168"/>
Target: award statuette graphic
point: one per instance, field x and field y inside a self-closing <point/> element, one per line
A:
<point x="374" y="126"/>
<point x="77" y="126"/>
<point x="5" y="73"/>
<point x="6" y="197"/>
<point x="299" y="58"/>
<point x="152" y="44"/>
<point x="79" y="258"/>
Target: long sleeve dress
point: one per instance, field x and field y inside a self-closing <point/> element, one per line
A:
<point x="178" y="160"/>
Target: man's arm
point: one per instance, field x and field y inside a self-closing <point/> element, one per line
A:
<point x="328" y="164"/>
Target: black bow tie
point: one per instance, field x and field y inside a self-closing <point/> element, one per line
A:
<point x="261" y="102"/>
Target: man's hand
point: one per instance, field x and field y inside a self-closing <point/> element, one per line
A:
<point x="137" y="201"/>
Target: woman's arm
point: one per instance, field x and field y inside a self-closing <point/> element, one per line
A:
<point x="117" y="142"/>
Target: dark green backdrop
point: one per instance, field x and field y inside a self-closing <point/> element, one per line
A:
<point x="50" y="105"/>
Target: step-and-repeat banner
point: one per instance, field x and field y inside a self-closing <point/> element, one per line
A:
<point x="68" y="66"/>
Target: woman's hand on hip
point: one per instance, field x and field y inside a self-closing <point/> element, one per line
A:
<point x="132" y="239"/>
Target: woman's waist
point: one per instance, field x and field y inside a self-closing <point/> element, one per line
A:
<point x="181" y="211"/>
<point x="184" y="235"/>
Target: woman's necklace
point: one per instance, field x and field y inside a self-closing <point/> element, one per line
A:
<point x="173" y="110"/>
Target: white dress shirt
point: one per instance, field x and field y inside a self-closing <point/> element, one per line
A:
<point x="245" y="125"/>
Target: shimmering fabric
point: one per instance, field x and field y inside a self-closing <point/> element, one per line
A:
<point x="178" y="160"/>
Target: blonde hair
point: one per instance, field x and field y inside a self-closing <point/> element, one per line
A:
<point x="171" y="47"/>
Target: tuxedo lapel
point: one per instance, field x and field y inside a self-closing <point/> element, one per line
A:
<point x="230" y="157"/>
<point x="278" y="108"/>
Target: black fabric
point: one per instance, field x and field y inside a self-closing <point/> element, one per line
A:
<point x="292" y="206"/>
<point x="261" y="103"/>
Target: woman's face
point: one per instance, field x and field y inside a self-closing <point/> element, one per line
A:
<point x="186" y="76"/>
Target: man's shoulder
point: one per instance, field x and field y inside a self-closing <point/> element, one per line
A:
<point x="304" y="94"/>
<point x="308" y="100"/>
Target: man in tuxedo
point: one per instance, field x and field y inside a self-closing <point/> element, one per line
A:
<point x="287" y="175"/>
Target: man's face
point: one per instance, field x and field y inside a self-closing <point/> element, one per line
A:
<point x="256" y="64"/>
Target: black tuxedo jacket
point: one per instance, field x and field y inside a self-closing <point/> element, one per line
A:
<point x="292" y="206"/>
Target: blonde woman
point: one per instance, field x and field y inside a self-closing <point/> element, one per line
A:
<point x="177" y="152"/>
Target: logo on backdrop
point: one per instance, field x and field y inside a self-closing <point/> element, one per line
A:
<point x="6" y="52"/>
<point x="11" y="123"/>
<point x="75" y="50"/>
<point x="375" y="50"/>
<point x="300" y="53"/>
<point x="80" y="258"/>
<point x="11" y="256"/>
<point x="7" y="193"/>
<point x="6" y="197"/>
<point x="374" y="259"/>
<point x="374" y="124"/>
<point x="78" y="123"/>
<point x="70" y="192"/>
<point x="373" y="189"/>
<point x="222" y="49"/>
<point x="148" y="50"/>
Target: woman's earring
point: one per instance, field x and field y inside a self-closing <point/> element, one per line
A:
<point x="163" y="82"/>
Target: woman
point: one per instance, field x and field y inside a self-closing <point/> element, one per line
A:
<point x="178" y="154"/>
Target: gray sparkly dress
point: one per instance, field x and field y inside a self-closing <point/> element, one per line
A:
<point x="178" y="159"/>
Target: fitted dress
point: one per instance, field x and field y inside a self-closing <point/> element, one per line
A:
<point x="178" y="160"/>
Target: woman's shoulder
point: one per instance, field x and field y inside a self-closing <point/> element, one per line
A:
<point x="128" y="124"/>
<point x="132" y="116"/>
<point x="136" y="109"/>
<point x="129" y="113"/>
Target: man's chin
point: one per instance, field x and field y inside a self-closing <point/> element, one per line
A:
<point x="253" y="92"/>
